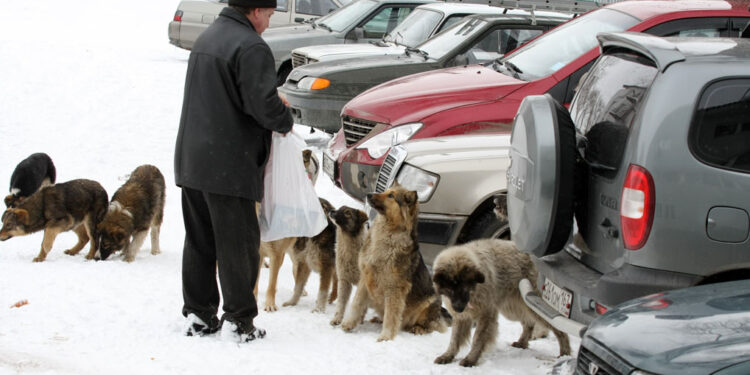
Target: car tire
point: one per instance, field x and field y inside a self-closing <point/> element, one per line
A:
<point x="284" y="71"/>
<point x="541" y="196"/>
<point x="486" y="225"/>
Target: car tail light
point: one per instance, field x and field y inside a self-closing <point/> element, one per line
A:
<point x="637" y="207"/>
<point x="600" y="309"/>
<point x="178" y="16"/>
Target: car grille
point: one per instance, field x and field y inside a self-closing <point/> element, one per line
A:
<point x="356" y="129"/>
<point x="299" y="60"/>
<point x="390" y="167"/>
<point x="588" y="362"/>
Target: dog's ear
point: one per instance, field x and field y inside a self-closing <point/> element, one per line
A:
<point x="8" y="200"/>
<point x="411" y="197"/>
<point x="440" y="278"/>
<point x="22" y="215"/>
<point x="476" y="276"/>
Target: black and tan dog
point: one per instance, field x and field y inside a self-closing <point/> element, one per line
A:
<point x="350" y="236"/>
<point x="30" y="175"/>
<point x="478" y="280"/>
<point x="78" y="205"/>
<point x="393" y="277"/>
<point x="316" y="254"/>
<point x="136" y="207"/>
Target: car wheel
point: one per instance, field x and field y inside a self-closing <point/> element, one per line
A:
<point x="284" y="71"/>
<point x="541" y="176"/>
<point x="486" y="225"/>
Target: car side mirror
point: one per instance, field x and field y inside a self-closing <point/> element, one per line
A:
<point x="299" y="19"/>
<point x="356" y="34"/>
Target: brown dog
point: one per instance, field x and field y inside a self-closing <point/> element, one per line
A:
<point x="78" y="205"/>
<point x="478" y="280"/>
<point x="316" y="254"/>
<point x="393" y="277"/>
<point x="136" y="207"/>
<point x="350" y="236"/>
<point x="311" y="165"/>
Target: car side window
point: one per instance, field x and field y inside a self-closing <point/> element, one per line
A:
<point x="496" y="43"/>
<point x="720" y="130"/>
<point x="701" y="27"/>
<point x="385" y="21"/>
<point x="606" y="104"/>
<point x="314" y="7"/>
<point x="450" y="22"/>
<point x="282" y="5"/>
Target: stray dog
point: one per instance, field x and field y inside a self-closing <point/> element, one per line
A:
<point x="136" y="207"/>
<point x="316" y="254"/>
<point x="479" y="279"/>
<point x="393" y="277"/>
<point x="30" y="175"/>
<point x="501" y="207"/>
<point x="311" y="165"/>
<point x="350" y="236"/>
<point x="78" y="205"/>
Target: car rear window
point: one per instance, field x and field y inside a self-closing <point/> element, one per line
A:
<point x="720" y="130"/>
<point x="606" y="102"/>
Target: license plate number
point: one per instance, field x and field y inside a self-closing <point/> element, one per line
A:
<point x="557" y="297"/>
<point x="328" y="165"/>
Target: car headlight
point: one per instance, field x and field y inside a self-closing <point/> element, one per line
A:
<point x="378" y="145"/>
<point x="313" y="83"/>
<point x="423" y="182"/>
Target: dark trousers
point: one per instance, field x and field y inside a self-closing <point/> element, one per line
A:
<point x="221" y="231"/>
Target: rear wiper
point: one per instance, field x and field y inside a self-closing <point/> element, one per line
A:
<point x="417" y="51"/>
<point x="322" y="25"/>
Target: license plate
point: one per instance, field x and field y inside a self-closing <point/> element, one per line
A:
<point x="557" y="297"/>
<point x="328" y="165"/>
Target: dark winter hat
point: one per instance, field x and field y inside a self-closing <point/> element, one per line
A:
<point x="254" y="3"/>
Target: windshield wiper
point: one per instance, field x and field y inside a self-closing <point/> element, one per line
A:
<point x="417" y="51"/>
<point x="513" y="68"/>
<point x="324" y="26"/>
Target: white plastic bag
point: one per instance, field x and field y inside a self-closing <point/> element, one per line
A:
<point x="290" y="206"/>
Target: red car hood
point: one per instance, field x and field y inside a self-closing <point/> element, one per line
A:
<point x="414" y="97"/>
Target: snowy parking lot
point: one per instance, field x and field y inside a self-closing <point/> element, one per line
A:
<point x="97" y="86"/>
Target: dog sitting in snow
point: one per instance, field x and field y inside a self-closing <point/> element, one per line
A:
<point x="30" y="175"/>
<point x="350" y="236"/>
<point x="78" y="205"/>
<point x="136" y="207"/>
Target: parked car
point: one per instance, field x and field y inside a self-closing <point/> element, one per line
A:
<point x="194" y="16"/>
<point x="480" y="97"/>
<point x="317" y="92"/>
<point x="654" y="167"/>
<point x="455" y="179"/>
<point x="693" y="331"/>
<point x="421" y="24"/>
<point x="360" y="21"/>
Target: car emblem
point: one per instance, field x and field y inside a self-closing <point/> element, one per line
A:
<point x="593" y="368"/>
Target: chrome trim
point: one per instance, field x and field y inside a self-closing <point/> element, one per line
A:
<point x="390" y="168"/>
<point x="355" y="129"/>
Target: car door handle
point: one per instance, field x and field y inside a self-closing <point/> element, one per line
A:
<point x="608" y="230"/>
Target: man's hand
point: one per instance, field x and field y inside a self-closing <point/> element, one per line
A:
<point x="283" y="99"/>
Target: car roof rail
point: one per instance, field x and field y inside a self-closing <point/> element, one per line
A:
<point x="565" y="6"/>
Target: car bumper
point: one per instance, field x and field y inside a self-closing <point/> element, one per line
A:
<point x="174" y="33"/>
<point x="589" y="287"/>
<point x="315" y="110"/>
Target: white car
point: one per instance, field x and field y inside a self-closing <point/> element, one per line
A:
<point x="424" y="22"/>
<point x="194" y="16"/>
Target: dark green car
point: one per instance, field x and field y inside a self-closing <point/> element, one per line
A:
<point x="318" y="91"/>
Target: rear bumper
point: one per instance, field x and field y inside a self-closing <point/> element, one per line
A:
<point x="589" y="286"/>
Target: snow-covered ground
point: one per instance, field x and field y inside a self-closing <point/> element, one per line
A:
<point x="96" y="85"/>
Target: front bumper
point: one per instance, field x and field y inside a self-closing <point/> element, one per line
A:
<point x="315" y="109"/>
<point x="589" y="286"/>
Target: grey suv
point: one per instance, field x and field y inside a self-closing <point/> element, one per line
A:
<point x="653" y="162"/>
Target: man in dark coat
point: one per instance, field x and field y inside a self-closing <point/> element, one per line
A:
<point x="230" y="108"/>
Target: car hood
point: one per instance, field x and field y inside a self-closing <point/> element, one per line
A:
<point x="691" y="331"/>
<point x="472" y="148"/>
<point x="327" y="68"/>
<point x="295" y="32"/>
<point x="336" y="51"/>
<point x="417" y="96"/>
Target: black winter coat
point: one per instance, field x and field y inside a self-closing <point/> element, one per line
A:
<point x="229" y="110"/>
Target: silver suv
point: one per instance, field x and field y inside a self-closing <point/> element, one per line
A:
<point x="653" y="162"/>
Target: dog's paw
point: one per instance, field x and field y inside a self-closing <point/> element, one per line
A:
<point x="270" y="307"/>
<point x="443" y="359"/>
<point x="385" y="338"/>
<point x="376" y="320"/>
<point x="419" y="330"/>
<point x="39" y="259"/>
<point x="521" y="345"/>
<point x="129" y="259"/>
<point x="336" y="320"/>
<point x="70" y="252"/>
<point x="348" y="326"/>
<point x="466" y="362"/>
<point x="289" y="303"/>
<point x="155" y="252"/>
<point x="319" y="309"/>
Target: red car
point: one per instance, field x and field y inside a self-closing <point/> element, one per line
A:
<point x="485" y="98"/>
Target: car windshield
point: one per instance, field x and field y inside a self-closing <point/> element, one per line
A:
<point x="439" y="45"/>
<point x="547" y="54"/>
<point x="343" y="17"/>
<point x="415" y="28"/>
